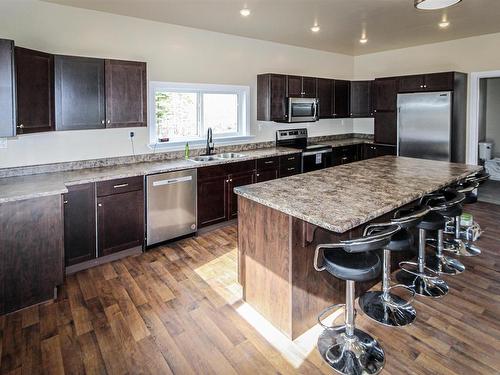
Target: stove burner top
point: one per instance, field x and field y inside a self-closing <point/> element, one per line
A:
<point x="297" y="138"/>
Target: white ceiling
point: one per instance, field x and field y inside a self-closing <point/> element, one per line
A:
<point x="389" y="24"/>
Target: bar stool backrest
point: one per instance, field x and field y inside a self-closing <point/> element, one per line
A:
<point x="374" y="241"/>
<point x="409" y="217"/>
<point x="443" y="200"/>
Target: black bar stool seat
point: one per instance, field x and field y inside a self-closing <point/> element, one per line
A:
<point x="432" y="221"/>
<point x="352" y="266"/>
<point x="401" y="241"/>
<point x="452" y="211"/>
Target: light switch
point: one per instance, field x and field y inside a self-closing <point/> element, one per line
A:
<point x="3" y="142"/>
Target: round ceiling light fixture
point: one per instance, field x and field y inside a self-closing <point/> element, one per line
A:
<point x="444" y="24"/>
<point x="245" y="12"/>
<point x="363" y="40"/>
<point x="434" y="4"/>
<point x="315" y="28"/>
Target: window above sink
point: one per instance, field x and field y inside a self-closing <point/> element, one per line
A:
<point x="183" y="112"/>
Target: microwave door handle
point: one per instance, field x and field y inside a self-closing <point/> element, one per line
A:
<point x="315" y="109"/>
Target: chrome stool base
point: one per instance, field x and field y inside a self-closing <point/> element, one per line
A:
<point x="461" y="248"/>
<point x="444" y="265"/>
<point x="396" y="312"/>
<point x="359" y="354"/>
<point x="424" y="286"/>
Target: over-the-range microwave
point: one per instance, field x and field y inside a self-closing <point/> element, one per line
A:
<point x="302" y="109"/>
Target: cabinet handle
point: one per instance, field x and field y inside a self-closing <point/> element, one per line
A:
<point x="290" y="169"/>
<point x="425" y="86"/>
<point x="20" y="126"/>
<point x="374" y="111"/>
<point x="344" y="158"/>
<point x="258" y="174"/>
<point x="230" y="180"/>
<point x="102" y="122"/>
<point x="120" y="186"/>
<point x="65" y="202"/>
<point x="99" y="205"/>
<point x="269" y="162"/>
<point x="109" y="121"/>
<point x="291" y="158"/>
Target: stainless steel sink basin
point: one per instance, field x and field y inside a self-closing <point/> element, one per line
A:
<point x="230" y="155"/>
<point x="199" y="159"/>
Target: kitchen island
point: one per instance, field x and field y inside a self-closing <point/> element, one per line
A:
<point x="280" y="223"/>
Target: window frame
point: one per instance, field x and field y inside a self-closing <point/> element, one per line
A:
<point x="243" y="113"/>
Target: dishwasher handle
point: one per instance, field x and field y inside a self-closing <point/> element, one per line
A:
<point x="172" y="181"/>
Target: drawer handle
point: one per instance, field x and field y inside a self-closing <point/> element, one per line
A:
<point x="344" y="158"/>
<point x="269" y="162"/>
<point x="290" y="169"/>
<point x="120" y="186"/>
<point x="292" y="158"/>
<point x="258" y="174"/>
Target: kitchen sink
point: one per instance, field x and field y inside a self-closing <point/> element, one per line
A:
<point x="199" y="159"/>
<point x="230" y="155"/>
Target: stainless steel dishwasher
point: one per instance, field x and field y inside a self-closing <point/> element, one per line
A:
<point x="170" y="205"/>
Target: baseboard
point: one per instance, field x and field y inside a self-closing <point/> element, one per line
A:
<point x="102" y="260"/>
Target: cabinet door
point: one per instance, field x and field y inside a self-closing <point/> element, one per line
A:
<point x="369" y="151"/>
<point x="341" y="93"/>
<point x="79" y="224"/>
<point x="236" y="180"/>
<point x="411" y="83"/>
<point x="266" y="175"/>
<point x="212" y="200"/>
<point x="325" y="97"/>
<point x="382" y="150"/>
<point x="126" y="86"/>
<point x="278" y="97"/>
<point x="309" y="87"/>
<point x="35" y="90"/>
<point x="79" y="93"/>
<point x="294" y="86"/>
<point x="386" y="128"/>
<point x="361" y="99"/>
<point x="7" y="108"/>
<point x="385" y="94"/>
<point x="344" y="155"/>
<point x="290" y="165"/>
<point x="120" y="221"/>
<point x="439" y="81"/>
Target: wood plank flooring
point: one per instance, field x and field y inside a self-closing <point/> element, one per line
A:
<point x="177" y="310"/>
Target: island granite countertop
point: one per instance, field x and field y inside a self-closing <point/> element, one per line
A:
<point x="46" y="184"/>
<point x="343" y="197"/>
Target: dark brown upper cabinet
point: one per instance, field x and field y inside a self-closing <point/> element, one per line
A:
<point x="79" y="93"/>
<point x="361" y="99"/>
<point x="35" y="90"/>
<point x="7" y="89"/>
<point x="426" y="82"/>
<point x="385" y="93"/>
<point x="79" y="224"/>
<point x="271" y="97"/>
<point x="385" y="127"/>
<point x="301" y="87"/>
<point x="126" y="94"/>
<point x="325" y="98"/>
<point x="341" y="93"/>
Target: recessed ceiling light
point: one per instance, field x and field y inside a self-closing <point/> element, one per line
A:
<point x="245" y="12"/>
<point x="434" y="4"/>
<point x="444" y="24"/>
<point x="363" y="40"/>
<point x="315" y="28"/>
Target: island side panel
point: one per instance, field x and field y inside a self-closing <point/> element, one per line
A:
<point x="264" y="261"/>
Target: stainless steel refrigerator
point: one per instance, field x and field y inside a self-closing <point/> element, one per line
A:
<point x="425" y="127"/>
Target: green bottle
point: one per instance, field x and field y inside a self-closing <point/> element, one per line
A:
<point x="186" y="151"/>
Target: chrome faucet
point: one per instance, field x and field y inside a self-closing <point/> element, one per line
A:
<point x="210" y="143"/>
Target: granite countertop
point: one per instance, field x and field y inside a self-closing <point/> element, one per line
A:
<point x="45" y="184"/>
<point x="346" y="142"/>
<point x="343" y="197"/>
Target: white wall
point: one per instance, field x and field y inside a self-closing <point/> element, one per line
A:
<point x="481" y="53"/>
<point x="173" y="53"/>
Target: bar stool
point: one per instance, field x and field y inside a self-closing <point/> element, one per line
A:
<point x="384" y="306"/>
<point x="417" y="275"/>
<point x="345" y="348"/>
<point x="447" y="203"/>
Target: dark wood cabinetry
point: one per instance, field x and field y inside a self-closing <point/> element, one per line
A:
<point x="301" y="87"/>
<point x="309" y="87"/>
<point x="267" y="169"/>
<point x="375" y="150"/>
<point x="290" y="165"/>
<point x="235" y="180"/>
<point x="426" y="82"/>
<point x="361" y="99"/>
<point x="411" y="83"/>
<point x="126" y="93"/>
<point x="341" y="93"/>
<point x="35" y="90"/>
<point x="385" y="94"/>
<point x="31" y="251"/>
<point x="7" y="91"/>
<point x="120" y="214"/>
<point x="386" y="127"/>
<point x="271" y="97"/>
<point x="325" y="98"/>
<point x="79" y="93"/>
<point x="79" y="224"/>
<point x="345" y="155"/>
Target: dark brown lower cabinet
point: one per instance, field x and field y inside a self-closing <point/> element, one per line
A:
<point x="290" y="165"/>
<point x="235" y="180"/>
<point x="376" y="150"/>
<point x="31" y="251"/>
<point x="345" y="155"/>
<point x="120" y="216"/>
<point x="212" y="200"/>
<point x="79" y="224"/>
<point x="266" y="174"/>
<point x="7" y="89"/>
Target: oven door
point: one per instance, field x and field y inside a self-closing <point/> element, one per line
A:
<point x="314" y="160"/>
<point x="302" y="109"/>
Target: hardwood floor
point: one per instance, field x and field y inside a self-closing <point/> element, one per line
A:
<point x="177" y="309"/>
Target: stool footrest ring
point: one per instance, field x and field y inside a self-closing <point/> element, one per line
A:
<point x="328" y="310"/>
<point x="401" y="305"/>
<point x="427" y="274"/>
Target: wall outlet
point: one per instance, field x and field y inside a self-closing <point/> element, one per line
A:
<point x="131" y="135"/>
<point x="3" y="142"/>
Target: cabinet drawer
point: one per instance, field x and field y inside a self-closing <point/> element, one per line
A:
<point x="266" y="163"/>
<point x="286" y="171"/>
<point x="290" y="160"/>
<point x="119" y="185"/>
